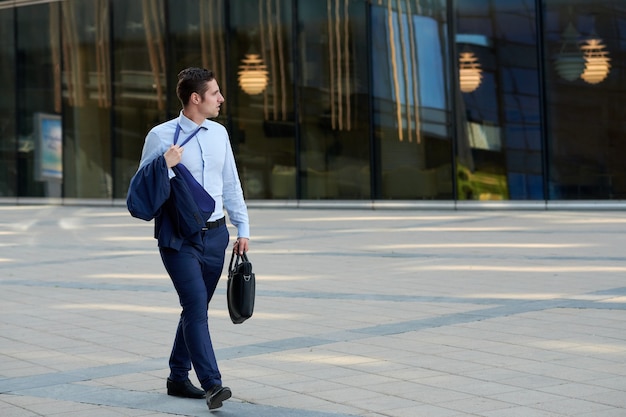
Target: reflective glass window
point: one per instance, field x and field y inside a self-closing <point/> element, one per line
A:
<point x="87" y="98"/>
<point x="261" y="97"/>
<point x="499" y="141"/>
<point x="585" y="43"/>
<point x="197" y="38"/>
<point x="411" y="103"/>
<point x="39" y="101"/>
<point x="333" y="86"/>
<point x="8" y="136"/>
<point x="139" y="82"/>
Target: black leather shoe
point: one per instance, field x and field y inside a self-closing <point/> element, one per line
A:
<point x="183" y="389"/>
<point x="216" y="395"/>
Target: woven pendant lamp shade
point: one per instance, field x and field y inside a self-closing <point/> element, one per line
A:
<point x="253" y="76"/>
<point x="470" y="73"/>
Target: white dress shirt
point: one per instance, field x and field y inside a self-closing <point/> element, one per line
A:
<point x="209" y="158"/>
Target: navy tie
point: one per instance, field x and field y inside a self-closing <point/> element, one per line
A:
<point x="205" y="202"/>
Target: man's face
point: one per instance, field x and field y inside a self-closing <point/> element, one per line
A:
<point x="211" y="101"/>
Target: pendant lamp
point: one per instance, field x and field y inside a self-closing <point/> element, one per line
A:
<point x="253" y="76"/>
<point x="470" y="73"/>
<point x="569" y="62"/>
<point x="597" y="64"/>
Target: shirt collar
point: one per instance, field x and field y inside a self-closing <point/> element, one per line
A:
<point x="187" y="125"/>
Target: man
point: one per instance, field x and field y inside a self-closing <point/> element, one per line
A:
<point x="193" y="255"/>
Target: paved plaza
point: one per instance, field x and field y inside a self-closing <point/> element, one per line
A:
<point x="359" y="312"/>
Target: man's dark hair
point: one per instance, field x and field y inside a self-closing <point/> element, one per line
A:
<point x="192" y="80"/>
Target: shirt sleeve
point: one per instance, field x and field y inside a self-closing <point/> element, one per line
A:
<point x="234" y="202"/>
<point x="153" y="147"/>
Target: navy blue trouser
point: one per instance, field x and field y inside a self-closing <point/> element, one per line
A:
<point x="195" y="271"/>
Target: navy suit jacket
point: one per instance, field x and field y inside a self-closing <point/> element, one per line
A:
<point x="153" y="195"/>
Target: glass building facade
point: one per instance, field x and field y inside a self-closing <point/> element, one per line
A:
<point x="358" y="100"/>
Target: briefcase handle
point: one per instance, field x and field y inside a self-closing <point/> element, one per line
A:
<point x="243" y="257"/>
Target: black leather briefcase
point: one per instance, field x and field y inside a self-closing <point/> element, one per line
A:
<point x="241" y="288"/>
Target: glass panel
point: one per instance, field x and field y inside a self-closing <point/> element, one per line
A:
<point x="499" y="138"/>
<point x="586" y="52"/>
<point x="197" y="39"/>
<point x="87" y="98"/>
<point x="262" y="97"/>
<point x="139" y="82"/>
<point x="334" y="90"/>
<point x="8" y="137"/>
<point x="40" y="169"/>
<point x="411" y="105"/>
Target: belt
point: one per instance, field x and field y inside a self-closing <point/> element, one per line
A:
<point x="214" y="225"/>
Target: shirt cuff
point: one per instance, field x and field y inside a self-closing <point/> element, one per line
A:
<point x="243" y="230"/>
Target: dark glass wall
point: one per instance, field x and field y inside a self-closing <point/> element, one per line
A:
<point x="333" y="89"/>
<point x="411" y="105"/>
<point x="85" y="41"/>
<point x="8" y="134"/>
<point x="39" y="101"/>
<point x="325" y="100"/>
<point x="585" y="42"/>
<point x="499" y="140"/>
<point x="140" y="85"/>
<point x="197" y="37"/>
<point x="261" y="96"/>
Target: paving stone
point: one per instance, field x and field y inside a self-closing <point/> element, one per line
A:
<point x="359" y="313"/>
